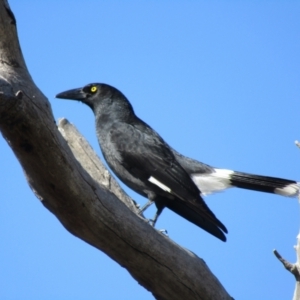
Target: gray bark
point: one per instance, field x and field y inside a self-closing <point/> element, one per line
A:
<point x="292" y="268"/>
<point x="70" y="181"/>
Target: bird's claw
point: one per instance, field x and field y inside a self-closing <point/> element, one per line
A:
<point x="164" y="231"/>
<point x="151" y="222"/>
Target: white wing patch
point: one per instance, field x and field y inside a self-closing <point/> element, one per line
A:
<point x="159" y="184"/>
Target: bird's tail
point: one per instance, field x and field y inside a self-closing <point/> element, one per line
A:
<point x="221" y="179"/>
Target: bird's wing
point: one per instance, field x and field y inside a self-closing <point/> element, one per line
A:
<point x="145" y="154"/>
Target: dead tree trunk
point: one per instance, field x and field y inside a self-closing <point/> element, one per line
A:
<point x="80" y="192"/>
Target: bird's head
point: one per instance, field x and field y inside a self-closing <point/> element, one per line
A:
<point x="96" y="95"/>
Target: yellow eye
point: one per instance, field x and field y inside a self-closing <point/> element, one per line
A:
<point x="93" y="89"/>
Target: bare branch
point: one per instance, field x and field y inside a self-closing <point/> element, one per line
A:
<point x="89" y="160"/>
<point x="77" y="189"/>
<point x="292" y="268"/>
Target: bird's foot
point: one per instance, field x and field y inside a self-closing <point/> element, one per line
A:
<point x="151" y="222"/>
<point x="140" y="212"/>
<point x="164" y="232"/>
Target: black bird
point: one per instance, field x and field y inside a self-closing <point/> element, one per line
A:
<point x="148" y="165"/>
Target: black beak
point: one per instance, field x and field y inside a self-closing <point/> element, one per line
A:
<point x="75" y="94"/>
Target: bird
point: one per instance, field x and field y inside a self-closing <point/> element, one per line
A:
<point x="145" y="162"/>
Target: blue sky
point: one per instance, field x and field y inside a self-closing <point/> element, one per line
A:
<point x="219" y="80"/>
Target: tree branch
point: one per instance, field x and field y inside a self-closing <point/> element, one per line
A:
<point x="89" y="160"/>
<point x="72" y="183"/>
<point x="292" y="268"/>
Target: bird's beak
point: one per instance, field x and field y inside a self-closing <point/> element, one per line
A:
<point x="75" y="94"/>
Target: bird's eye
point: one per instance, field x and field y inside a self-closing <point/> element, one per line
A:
<point x="93" y="89"/>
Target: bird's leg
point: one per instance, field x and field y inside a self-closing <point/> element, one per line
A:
<point x="152" y="222"/>
<point x="160" y="207"/>
<point x="149" y="203"/>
